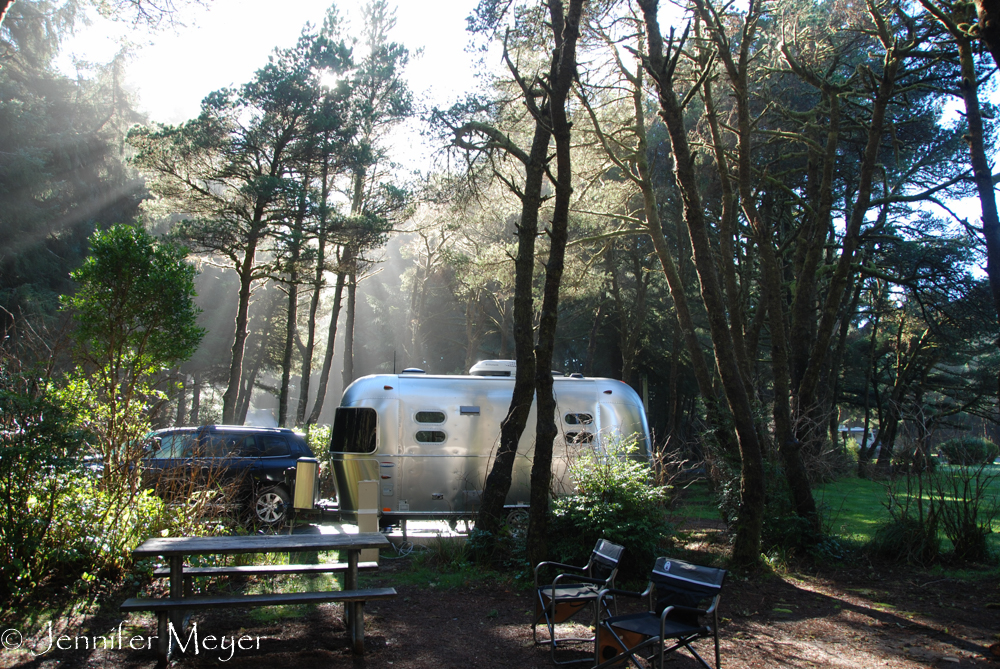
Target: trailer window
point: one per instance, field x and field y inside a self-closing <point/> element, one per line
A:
<point x="430" y="436"/>
<point x="579" y="419"/>
<point x="430" y="416"/>
<point x="354" y="431"/>
<point x="580" y="437"/>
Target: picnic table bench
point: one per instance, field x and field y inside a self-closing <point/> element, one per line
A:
<point x="260" y="570"/>
<point x="171" y="610"/>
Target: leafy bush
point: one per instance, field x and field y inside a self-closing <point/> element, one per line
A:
<point x="969" y="451"/>
<point x="906" y="539"/>
<point x="967" y="506"/>
<point x="318" y="439"/>
<point x="39" y="452"/>
<point x="959" y="501"/>
<point x="507" y="550"/>
<point x="59" y="521"/>
<point x="911" y="533"/>
<point x="615" y="500"/>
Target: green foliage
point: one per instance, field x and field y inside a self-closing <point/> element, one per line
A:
<point x="508" y="551"/>
<point x="906" y="539"/>
<point x="57" y="522"/>
<point x="969" y="451"/>
<point x="135" y="308"/>
<point x="959" y="501"/>
<point x="967" y="506"/>
<point x="135" y="315"/>
<point x="62" y="171"/>
<point x="318" y="439"/>
<point x="38" y="451"/>
<point x="615" y="500"/>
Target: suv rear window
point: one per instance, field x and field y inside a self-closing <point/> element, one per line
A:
<point x="222" y="445"/>
<point x="178" y="445"/>
<point x="273" y="445"/>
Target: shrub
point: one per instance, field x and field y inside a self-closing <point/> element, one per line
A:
<point x="508" y="550"/>
<point x="967" y="506"/>
<point x="615" y="500"/>
<point x="969" y="451"/>
<point x="39" y="452"/>
<point x="906" y="539"/>
<point x="59" y="521"/>
<point x="958" y="501"/>
<point x="911" y="533"/>
<point x="318" y="438"/>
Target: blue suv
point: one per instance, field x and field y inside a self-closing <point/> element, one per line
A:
<point x="255" y="464"/>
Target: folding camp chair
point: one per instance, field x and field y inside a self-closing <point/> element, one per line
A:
<point x="677" y="590"/>
<point x="561" y="599"/>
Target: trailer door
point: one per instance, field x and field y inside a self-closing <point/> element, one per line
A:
<point x="352" y="452"/>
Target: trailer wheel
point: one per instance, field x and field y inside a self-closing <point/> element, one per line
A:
<point x="517" y="523"/>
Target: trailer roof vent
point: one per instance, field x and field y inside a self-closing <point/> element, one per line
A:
<point x="576" y="375"/>
<point x="494" y="368"/>
<point x="413" y="370"/>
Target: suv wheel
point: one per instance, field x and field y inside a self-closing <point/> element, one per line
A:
<point x="271" y="506"/>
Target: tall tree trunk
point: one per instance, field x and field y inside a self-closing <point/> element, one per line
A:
<point x="505" y="308"/>
<point x="772" y="290"/>
<point x="840" y="282"/>
<point x="475" y="317"/>
<point x="324" y="376"/>
<point x="291" y="324"/>
<point x="566" y="30"/>
<point x="307" y="355"/>
<point x="498" y="481"/>
<point x="250" y="381"/>
<point x="718" y="415"/>
<point x="231" y="396"/>
<point x="989" y="31"/>
<point x="318" y="283"/>
<point x="588" y="363"/>
<point x="352" y="295"/>
<point x="727" y="234"/>
<point x="746" y="549"/>
<point x="195" y="418"/>
<point x="988" y="14"/>
<point x="673" y="405"/>
<point x="182" y="409"/>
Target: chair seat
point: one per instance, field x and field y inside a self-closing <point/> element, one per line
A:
<point x="570" y="591"/>
<point x="648" y="625"/>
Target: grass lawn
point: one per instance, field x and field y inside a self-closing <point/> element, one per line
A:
<point x="853" y="508"/>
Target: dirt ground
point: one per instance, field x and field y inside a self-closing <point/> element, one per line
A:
<point x="894" y="618"/>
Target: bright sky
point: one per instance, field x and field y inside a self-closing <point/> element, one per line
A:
<point x="224" y="42"/>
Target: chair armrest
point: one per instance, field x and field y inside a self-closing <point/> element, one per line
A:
<point x="688" y="609"/>
<point x="554" y="564"/>
<point x="579" y="579"/>
<point x="616" y="592"/>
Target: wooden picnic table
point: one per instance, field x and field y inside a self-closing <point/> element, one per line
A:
<point x="175" y="549"/>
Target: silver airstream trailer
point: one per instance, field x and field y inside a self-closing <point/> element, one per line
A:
<point x="430" y="440"/>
